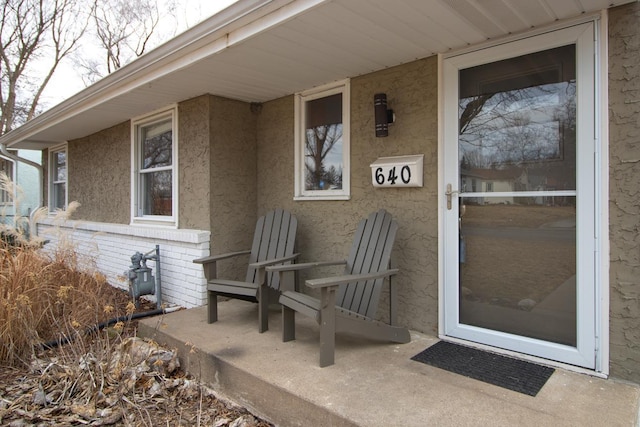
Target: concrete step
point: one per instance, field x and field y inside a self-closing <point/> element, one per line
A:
<point x="372" y="383"/>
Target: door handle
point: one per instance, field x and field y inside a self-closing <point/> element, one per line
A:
<point x="449" y="193"/>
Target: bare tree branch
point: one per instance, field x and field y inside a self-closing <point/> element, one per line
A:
<point x="124" y="30"/>
<point x="35" y="36"/>
<point x="66" y="32"/>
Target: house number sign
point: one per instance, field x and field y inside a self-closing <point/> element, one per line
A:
<point x="397" y="171"/>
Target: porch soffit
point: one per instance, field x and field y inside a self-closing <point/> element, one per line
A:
<point x="259" y="50"/>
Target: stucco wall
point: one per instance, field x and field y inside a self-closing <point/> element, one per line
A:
<point x="217" y="174"/>
<point x="99" y="175"/>
<point x="232" y="180"/>
<point x="325" y="228"/>
<point x="624" y="149"/>
<point x="194" y="130"/>
<point x="216" y="141"/>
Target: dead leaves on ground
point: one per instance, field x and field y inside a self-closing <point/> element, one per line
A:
<point x="138" y="384"/>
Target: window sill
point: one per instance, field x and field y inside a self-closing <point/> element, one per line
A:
<point x="155" y="222"/>
<point x="325" y="198"/>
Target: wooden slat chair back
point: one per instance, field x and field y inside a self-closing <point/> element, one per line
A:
<point x="274" y="238"/>
<point x="370" y="253"/>
<point x="348" y="303"/>
<point x="273" y="244"/>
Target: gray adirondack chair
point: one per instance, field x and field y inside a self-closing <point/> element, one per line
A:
<point x="348" y="303"/>
<point x="273" y="243"/>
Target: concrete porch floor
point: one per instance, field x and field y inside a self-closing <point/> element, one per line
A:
<point x="371" y="383"/>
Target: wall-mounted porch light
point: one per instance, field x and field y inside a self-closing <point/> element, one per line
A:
<point x="383" y="116"/>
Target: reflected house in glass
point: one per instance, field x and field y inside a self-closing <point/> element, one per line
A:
<point x="478" y="180"/>
<point x="526" y="116"/>
<point x="513" y="179"/>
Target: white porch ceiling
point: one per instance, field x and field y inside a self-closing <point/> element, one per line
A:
<point x="259" y="50"/>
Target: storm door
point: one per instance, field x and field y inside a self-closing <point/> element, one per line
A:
<point x="518" y="196"/>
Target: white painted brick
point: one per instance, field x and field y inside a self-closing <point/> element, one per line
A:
<point x="109" y="247"/>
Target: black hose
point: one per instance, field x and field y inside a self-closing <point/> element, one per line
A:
<point x="66" y="340"/>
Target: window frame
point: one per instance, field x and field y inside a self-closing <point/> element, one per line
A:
<point x="53" y="181"/>
<point x="300" y="101"/>
<point x="137" y="216"/>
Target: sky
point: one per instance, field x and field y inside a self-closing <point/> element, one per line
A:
<point x="67" y="81"/>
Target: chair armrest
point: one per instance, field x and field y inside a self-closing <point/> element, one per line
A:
<point x="303" y="266"/>
<point x="326" y="282"/>
<point x="266" y="263"/>
<point x="281" y="270"/>
<point x="214" y="258"/>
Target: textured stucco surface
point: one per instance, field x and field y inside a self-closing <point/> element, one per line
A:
<point x="232" y="181"/>
<point x="624" y="175"/>
<point x="217" y="173"/>
<point x="99" y="175"/>
<point x="326" y="228"/>
<point x="233" y="174"/>
<point x="194" y="165"/>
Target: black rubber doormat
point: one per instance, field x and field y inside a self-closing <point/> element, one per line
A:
<point x="513" y="374"/>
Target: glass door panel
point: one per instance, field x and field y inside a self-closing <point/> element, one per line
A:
<point x="518" y="273"/>
<point x="517" y="135"/>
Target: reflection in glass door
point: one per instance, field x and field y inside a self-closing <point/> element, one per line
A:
<point x="518" y="161"/>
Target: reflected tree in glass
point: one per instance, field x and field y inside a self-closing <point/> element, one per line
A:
<point x="323" y="143"/>
<point x="523" y="123"/>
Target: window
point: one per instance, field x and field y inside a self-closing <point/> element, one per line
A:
<point x="58" y="179"/>
<point x="322" y="143"/>
<point x="154" y="161"/>
<point x="6" y="167"/>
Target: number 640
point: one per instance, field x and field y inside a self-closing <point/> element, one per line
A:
<point x="392" y="177"/>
